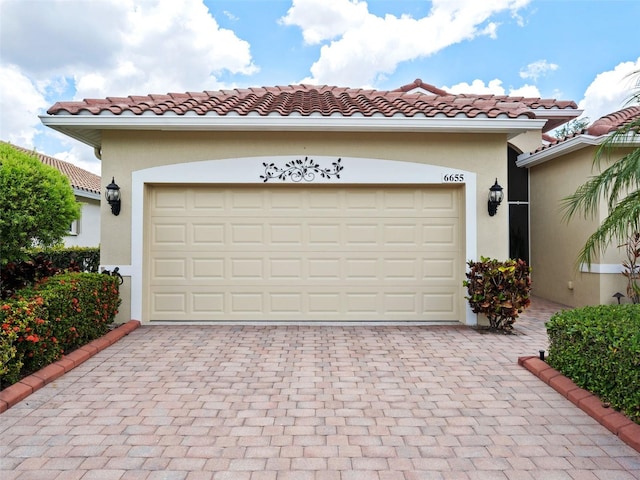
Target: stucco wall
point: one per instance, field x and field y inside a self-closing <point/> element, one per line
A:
<point x="126" y="152"/>
<point x="556" y="243"/>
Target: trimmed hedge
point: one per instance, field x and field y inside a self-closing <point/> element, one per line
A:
<point x="599" y="349"/>
<point x="55" y="317"/>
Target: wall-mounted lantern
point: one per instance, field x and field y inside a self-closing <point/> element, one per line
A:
<point x="113" y="196"/>
<point x="495" y="198"/>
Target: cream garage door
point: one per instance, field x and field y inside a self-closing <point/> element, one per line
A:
<point x="300" y="253"/>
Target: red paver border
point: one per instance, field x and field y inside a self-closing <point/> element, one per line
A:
<point x="25" y="387"/>
<point x="615" y="422"/>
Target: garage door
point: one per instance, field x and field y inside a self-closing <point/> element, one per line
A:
<point x="300" y="253"/>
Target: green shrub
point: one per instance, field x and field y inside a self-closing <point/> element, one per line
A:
<point x="599" y="349"/>
<point x="55" y="317"/>
<point x="499" y="290"/>
<point x="45" y="263"/>
<point x="38" y="204"/>
<point x="85" y="259"/>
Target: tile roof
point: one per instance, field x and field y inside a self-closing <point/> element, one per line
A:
<point x="613" y="121"/>
<point x="79" y="178"/>
<point x="412" y="100"/>
<point x="602" y="126"/>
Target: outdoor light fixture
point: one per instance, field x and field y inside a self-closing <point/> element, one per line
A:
<point x="618" y="296"/>
<point x="495" y="198"/>
<point x="113" y="196"/>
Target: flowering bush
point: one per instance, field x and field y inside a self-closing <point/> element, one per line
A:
<point x="27" y="342"/>
<point x="55" y="317"/>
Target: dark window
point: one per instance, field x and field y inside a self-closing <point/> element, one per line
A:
<point x="518" y="199"/>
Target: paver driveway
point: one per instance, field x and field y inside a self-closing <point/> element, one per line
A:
<point x="310" y="402"/>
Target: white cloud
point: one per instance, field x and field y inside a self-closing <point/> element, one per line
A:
<point x="20" y="104"/>
<point x="111" y="47"/>
<point x="528" y="91"/>
<point x="364" y="47"/>
<point x="538" y="69"/>
<point x="325" y="19"/>
<point x="494" y="87"/>
<point x="609" y="91"/>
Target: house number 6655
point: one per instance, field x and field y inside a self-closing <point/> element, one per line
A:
<point x="453" y="177"/>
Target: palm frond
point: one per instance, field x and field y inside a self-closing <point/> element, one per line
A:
<point x="623" y="220"/>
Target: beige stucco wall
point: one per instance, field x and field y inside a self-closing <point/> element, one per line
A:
<point x="556" y="242"/>
<point x="126" y="152"/>
<point x="526" y="142"/>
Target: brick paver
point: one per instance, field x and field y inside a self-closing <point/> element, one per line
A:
<point x="310" y="402"/>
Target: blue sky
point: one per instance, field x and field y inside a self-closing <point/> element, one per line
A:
<point x="59" y="50"/>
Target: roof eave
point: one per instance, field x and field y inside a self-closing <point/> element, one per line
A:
<point x="578" y="142"/>
<point x="573" y="144"/>
<point x="79" y="192"/>
<point x="87" y="128"/>
<point x="556" y="116"/>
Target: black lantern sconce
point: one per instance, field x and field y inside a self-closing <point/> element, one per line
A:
<point x="113" y="196"/>
<point x="495" y="198"/>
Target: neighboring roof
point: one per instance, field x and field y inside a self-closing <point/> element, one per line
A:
<point x="81" y="180"/>
<point x="594" y="134"/>
<point x="418" y="105"/>
<point x="614" y="121"/>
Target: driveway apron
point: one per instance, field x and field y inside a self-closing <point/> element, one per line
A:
<point x="310" y="403"/>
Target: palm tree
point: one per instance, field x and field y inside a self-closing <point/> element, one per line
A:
<point x="619" y="184"/>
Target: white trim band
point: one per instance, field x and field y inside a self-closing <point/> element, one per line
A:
<point x="602" y="268"/>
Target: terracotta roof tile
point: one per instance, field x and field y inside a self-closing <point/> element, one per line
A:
<point x="80" y="179"/>
<point x="414" y="99"/>
<point x="602" y="126"/>
<point x="614" y="120"/>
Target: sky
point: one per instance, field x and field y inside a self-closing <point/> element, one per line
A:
<point x="65" y="50"/>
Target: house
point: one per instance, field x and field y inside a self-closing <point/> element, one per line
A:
<point x="309" y="203"/>
<point x="84" y="232"/>
<point x="556" y="170"/>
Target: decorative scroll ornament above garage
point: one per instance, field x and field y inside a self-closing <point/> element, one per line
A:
<point x="298" y="170"/>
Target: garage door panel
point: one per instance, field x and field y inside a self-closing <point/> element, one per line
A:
<point x="323" y="234"/>
<point x="169" y="269"/>
<point x="169" y="302"/>
<point x="401" y="303"/>
<point x="399" y="235"/>
<point x="245" y="268"/>
<point x="244" y="201"/>
<point x="207" y="269"/>
<point x="170" y="234"/>
<point x="441" y="235"/>
<point x="286" y="234"/>
<point x="288" y="268"/>
<point x="248" y="233"/>
<point x="207" y="303"/>
<point x="208" y="235"/>
<point x="286" y="303"/>
<point x="440" y="269"/>
<point x="396" y="269"/>
<point x="330" y="253"/>
<point x="440" y="303"/>
<point x="247" y="302"/>
<point x="170" y="200"/>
